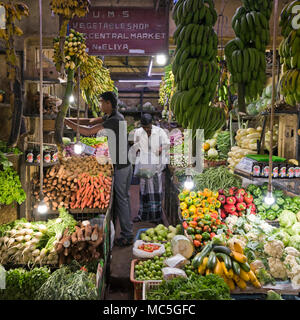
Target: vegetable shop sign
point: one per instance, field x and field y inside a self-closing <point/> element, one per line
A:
<point x="124" y="31"/>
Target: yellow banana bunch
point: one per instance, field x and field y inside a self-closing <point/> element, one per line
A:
<point x="74" y="50"/>
<point x="95" y="79"/>
<point x="70" y="8"/>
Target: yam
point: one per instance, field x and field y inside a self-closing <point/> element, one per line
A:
<point x="79" y="234"/>
<point x="88" y="232"/>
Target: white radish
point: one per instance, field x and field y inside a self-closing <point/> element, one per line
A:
<point x="20" y="238"/>
<point x="29" y="231"/>
<point x="58" y="220"/>
<point x="43" y="253"/>
<point x="5" y="240"/>
<point x="35" y="240"/>
<point x="27" y="237"/>
<point x="11" y="251"/>
<point x="38" y="234"/>
<point x="42" y="228"/>
<point x="36" y="253"/>
<point x="27" y="225"/>
<point x="13" y="232"/>
<point x="85" y="223"/>
<point x="10" y="242"/>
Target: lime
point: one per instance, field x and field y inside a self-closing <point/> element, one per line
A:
<point x="152" y="268"/>
<point x="156" y="258"/>
<point x="149" y="273"/>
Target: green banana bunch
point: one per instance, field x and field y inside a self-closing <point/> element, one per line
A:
<point x="286" y="17"/>
<point x="195" y="67"/>
<point x="70" y="8"/>
<point x="245" y="55"/>
<point x="263" y="6"/>
<point x="289" y="51"/>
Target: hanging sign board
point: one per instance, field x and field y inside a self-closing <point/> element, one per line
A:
<point x="2" y="17"/>
<point x="124" y="31"/>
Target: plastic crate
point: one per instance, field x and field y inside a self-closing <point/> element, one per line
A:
<point x="138" y="234"/>
<point x="137" y="285"/>
<point x="148" y="285"/>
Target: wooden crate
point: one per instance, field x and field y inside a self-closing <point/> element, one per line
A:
<point x="288" y="136"/>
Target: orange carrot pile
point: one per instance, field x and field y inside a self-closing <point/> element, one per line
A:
<point x="92" y="192"/>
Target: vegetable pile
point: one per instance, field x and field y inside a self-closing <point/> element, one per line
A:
<point x="229" y="263"/>
<point x="22" y="284"/>
<point x="218" y="147"/>
<point x="236" y="202"/>
<point x="216" y="179"/>
<point x="211" y="287"/>
<point x="282" y="202"/>
<point x="82" y="245"/>
<point x="246" y="140"/>
<point x="10" y="187"/>
<point x="78" y="182"/>
<point x="160" y="233"/>
<point x="65" y="284"/>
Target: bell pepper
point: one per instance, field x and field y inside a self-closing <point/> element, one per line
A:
<point x="278" y="193"/>
<point x="241" y="191"/>
<point x="205" y="204"/>
<point x="266" y="206"/>
<point x="271" y="215"/>
<point x="211" y="208"/>
<point x="231" y="200"/>
<point x="185" y="214"/>
<point x="239" y="197"/>
<point x="296" y="200"/>
<point x="207" y="193"/>
<point x="189" y="200"/>
<point x="185" y="225"/>
<point x="190" y="230"/>
<point x="198" y="230"/>
<point x="258" y="201"/>
<point x="212" y="234"/>
<point x="223" y="214"/>
<point x="218" y="204"/>
<point x="280" y="201"/>
<point x="221" y="191"/>
<point x="193" y="224"/>
<point x="200" y="224"/>
<point x="230" y="208"/>
<point x="248" y="198"/>
<point x="193" y="194"/>
<point x="215" y="194"/>
<point x="251" y="187"/>
<point x="206" y="210"/>
<point x="275" y="207"/>
<point x="207" y="217"/>
<point x="197" y="243"/>
<point x="251" y="206"/>
<point x="288" y="200"/>
<point x="262" y="214"/>
<point x="234" y="213"/>
<point x="257" y="192"/>
<point x="261" y="208"/>
<point x="205" y="236"/>
<point x="183" y="205"/>
<point x="182" y="196"/>
<point x="222" y="198"/>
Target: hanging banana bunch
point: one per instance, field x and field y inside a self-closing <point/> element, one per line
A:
<point x="66" y="9"/>
<point x="245" y="55"/>
<point x="94" y="80"/>
<point x="289" y="51"/>
<point x="167" y="86"/>
<point x="195" y="67"/>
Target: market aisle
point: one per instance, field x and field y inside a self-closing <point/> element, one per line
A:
<point x="120" y="286"/>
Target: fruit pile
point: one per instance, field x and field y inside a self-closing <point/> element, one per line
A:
<point x="289" y="51"/>
<point x="229" y="263"/>
<point x="160" y="233"/>
<point x="195" y="66"/>
<point x="74" y="50"/>
<point x="202" y="230"/>
<point x="70" y="8"/>
<point x="236" y="202"/>
<point x="196" y="204"/>
<point x="245" y="55"/>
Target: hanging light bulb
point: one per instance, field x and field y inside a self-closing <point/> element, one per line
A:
<point x="78" y="148"/>
<point x="71" y="99"/>
<point x="42" y="207"/>
<point x="161" y="59"/>
<point x="269" y="199"/>
<point x="189" y="183"/>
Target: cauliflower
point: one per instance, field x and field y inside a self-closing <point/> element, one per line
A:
<point x="292" y="266"/>
<point x="247" y="227"/>
<point x="277" y="268"/>
<point x="292" y="251"/>
<point x="296" y="281"/>
<point x="256" y="265"/>
<point x="231" y="221"/>
<point x="274" y="248"/>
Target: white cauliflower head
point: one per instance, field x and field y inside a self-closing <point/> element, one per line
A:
<point x="231" y="220"/>
<point x="247" y="227"/>
<point x="292" y="251"/>
<point x="274" y="248"/>
<point x="296" y="281"/>
<point x="292" y="266"/>
<point x="277" y="268"/>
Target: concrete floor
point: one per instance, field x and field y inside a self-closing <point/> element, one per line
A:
<point x="119" y="285"/>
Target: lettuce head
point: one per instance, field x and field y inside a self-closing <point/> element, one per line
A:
<point x="295" y="242"/>
<point x="287" y="219"/>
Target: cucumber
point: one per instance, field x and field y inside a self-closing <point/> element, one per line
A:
<point x="198" y="259"/>
<point x="226" y="259"/>
<point x="245" y="266"/>
<point x="212" y="260"/>
<point x="236" y="268"/>
<point x="222" y="249"/>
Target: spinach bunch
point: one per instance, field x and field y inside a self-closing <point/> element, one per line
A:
<point x="10" y="187"/>
<point x="210" y="287"/>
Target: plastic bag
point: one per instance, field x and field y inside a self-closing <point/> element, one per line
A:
<point x="143" y="254"/>
<point x="171" y="273"/>
<point x="177" y="261"/>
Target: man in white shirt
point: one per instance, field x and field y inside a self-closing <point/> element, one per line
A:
<point x="152" y="142"/>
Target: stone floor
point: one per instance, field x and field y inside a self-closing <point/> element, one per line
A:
<point x="119" y="285"/>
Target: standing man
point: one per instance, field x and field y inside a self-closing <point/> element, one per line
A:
<point x="151" y="141"/>
<point x="114" y="124"/>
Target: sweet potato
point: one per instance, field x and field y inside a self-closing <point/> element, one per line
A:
<point x="88" y="232"/>
<point x="80" y="236"/>
<point x="74" y="238"/>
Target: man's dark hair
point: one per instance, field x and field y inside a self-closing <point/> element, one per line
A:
<point x="110" y="96"/>
<point x="146" y="119"/>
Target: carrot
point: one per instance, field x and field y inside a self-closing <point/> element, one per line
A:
<point x="84" y="202"/>
<point x="101" y="196"/>
<point x="90" y="201"/>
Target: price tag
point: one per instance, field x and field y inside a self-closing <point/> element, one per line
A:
<point x="245" y="165"/>
<point x="88" y="150"/>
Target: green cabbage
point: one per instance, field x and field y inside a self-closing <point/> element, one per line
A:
<point x="295" y="242"/>
<point x="287" y="219"/>
<point x="296" y="228"/>
<point x="283" y="236"/>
